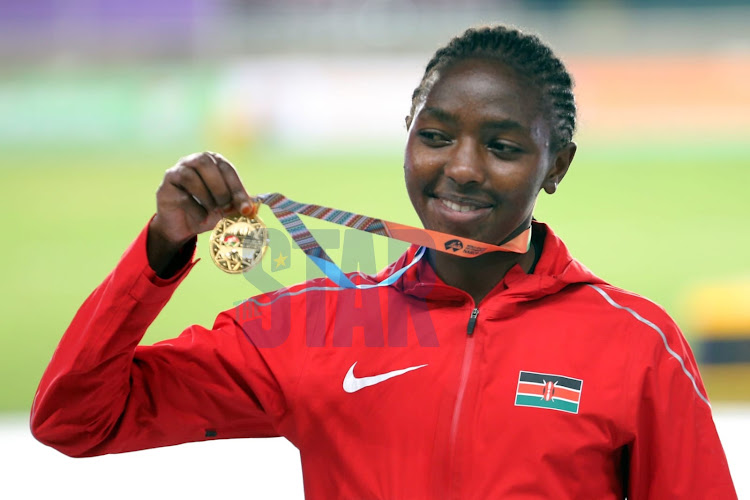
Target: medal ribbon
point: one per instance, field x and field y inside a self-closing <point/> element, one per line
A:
<point x="286" y="211"/>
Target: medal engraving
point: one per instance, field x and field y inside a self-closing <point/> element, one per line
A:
<point x="237" y="244"/>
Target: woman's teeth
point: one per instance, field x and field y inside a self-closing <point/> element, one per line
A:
<point x="458" y="207"/>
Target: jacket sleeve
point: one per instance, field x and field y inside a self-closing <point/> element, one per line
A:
<point x="676" y="452"/>
<point x="102" y="393"/>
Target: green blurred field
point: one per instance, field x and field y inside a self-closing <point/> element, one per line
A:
<point x="657" y="220"/>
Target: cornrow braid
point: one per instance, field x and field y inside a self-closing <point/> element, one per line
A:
<point x="524" y="53"/>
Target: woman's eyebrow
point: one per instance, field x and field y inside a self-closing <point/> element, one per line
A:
<point x="448" y="117"/>
<point x="440" y="114"/>
<point x="506" y="124"/>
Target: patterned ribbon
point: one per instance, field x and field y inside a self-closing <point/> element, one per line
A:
<point x="286" y="211"/>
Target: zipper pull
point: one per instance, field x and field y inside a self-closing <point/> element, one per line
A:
<point x="472" y="321"/>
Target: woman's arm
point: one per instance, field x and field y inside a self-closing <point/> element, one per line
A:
<point x="102" y="393"/>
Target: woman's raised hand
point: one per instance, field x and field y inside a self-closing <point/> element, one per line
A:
<point x="194" y="195"/>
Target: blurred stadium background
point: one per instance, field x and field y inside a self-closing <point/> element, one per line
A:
<point x="307" y="97"/>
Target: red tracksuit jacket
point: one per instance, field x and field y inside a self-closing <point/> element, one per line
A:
<point x="557" y="385"/>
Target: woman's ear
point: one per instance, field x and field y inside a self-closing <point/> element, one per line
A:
<point x="561" y="163"/>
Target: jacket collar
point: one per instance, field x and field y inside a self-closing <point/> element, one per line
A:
<point x="555" y="270"/>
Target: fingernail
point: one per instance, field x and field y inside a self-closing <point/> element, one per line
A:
<point x="246" y="209"/>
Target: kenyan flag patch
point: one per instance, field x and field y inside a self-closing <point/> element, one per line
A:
<point x="543" y="390"/>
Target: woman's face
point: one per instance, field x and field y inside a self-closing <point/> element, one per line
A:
<point x="478" y="153"/>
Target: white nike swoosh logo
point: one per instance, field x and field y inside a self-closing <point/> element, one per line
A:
<point x="353" y="384"/>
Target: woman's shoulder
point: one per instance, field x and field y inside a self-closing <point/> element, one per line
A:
<point x="631" y="302"/>
<point x="624" y="305"/>
<point x="637" y="319"/>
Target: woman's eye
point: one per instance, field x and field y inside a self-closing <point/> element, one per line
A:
<point x="502" y="148"/>
<point x="434" y="138"/>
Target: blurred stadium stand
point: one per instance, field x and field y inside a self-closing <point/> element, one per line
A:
<point x="44" y="31"/>
<point x="159" y="70"/>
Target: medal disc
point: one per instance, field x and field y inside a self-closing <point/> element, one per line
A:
<point x="237" y="244"/>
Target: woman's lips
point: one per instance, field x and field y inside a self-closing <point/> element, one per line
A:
<point x="461" y="212"/>
<point x="460" y="207"/>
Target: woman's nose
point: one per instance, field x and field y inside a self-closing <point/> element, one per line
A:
<point x="466" y="163"/>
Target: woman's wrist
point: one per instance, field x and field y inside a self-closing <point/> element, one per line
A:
<point x="167" y="257"/>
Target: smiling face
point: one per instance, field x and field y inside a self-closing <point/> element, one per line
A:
<point x="478" y="153"/>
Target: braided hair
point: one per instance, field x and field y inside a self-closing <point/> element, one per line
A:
<point x="525" y="54"/>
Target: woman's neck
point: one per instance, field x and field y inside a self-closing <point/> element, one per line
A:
<point x="479" y="275"/>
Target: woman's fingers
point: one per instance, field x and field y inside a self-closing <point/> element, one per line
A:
<point x="195" y="193"/>
<point x="186" y="180"/>
<point x="240" y="200"/>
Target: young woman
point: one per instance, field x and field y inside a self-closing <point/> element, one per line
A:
<point x="508" y="375"/>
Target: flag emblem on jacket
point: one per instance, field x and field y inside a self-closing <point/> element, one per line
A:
<point x="543" y="390"/>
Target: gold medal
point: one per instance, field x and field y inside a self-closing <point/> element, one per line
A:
<point x="237" y="244"/>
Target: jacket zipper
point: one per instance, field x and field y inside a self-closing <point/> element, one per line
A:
<point x="462" y="382"/>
